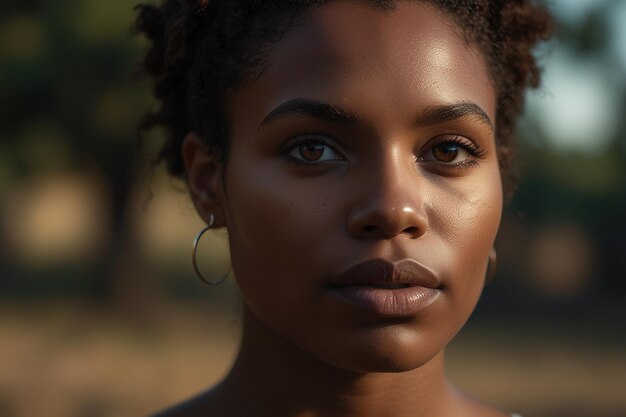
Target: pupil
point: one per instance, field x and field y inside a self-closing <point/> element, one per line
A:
<point x="312" y="152"/>
<point x="446" y="152"/>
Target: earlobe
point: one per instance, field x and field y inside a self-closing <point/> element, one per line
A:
<point x="204" y="169"/>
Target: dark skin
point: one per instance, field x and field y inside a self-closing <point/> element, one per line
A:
<point x="370" y="135"/>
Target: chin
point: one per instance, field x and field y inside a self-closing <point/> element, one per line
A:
<point x="390" y="350"/>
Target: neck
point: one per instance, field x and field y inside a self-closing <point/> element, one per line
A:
<point x="271" y="377"/>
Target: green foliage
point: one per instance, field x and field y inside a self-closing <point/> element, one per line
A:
<point x="66" y="79"/>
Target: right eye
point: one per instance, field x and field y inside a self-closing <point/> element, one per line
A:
<point x="313" y="151"/>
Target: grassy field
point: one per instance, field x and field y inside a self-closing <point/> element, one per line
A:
<point x="67" y="359"/>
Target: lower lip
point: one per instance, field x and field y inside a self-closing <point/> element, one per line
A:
<point x="385" y="302"/>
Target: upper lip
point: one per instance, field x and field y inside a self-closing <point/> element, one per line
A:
<point x="386" y="274"/>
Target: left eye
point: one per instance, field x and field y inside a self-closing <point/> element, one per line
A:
<point x="448" y="152"/>
<point x="314" y="152"/>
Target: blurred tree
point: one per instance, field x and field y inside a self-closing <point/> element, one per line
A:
<point x="586" y="187"/>
<point x="69" y="104"/>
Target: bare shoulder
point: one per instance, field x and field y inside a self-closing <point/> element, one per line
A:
<point x="479" y="409"/>
<point x="186" y="409"/>
<point x="202" y="405"/>
<point x="475" y="408"/>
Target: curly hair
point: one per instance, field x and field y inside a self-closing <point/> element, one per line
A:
<point x="203" y="49"/>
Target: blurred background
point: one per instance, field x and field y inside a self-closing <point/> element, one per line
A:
<point x="100" y="314"/>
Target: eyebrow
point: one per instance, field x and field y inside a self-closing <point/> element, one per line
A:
<point x="449" y="112"/>
<point x="319" y="110"/>
<point x="334" y="113"/>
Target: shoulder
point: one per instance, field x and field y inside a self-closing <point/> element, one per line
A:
<point x="201" y="406"/>
<point x="472" y="407"/>
<point x="181" y="410"/>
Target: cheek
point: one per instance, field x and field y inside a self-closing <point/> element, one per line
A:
<point x="467" y="220"/>
<point x="276" y="228"/>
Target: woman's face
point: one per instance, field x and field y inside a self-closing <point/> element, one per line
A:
<point x="369" y="137"/>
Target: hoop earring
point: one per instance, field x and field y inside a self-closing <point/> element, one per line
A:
<point x="195" y="251"/>
<point x="491" y="265"/>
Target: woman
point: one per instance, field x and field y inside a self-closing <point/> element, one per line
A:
<point x="355" y="151"/>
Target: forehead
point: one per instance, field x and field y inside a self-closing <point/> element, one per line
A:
<point x="411" y="55"/>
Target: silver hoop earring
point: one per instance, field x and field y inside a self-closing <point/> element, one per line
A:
<point x="195" y="250"/>
<point x="491" y="265"/>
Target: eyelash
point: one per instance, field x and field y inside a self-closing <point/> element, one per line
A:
<point x="305" y="140"/>
<point x="466" y="144"/>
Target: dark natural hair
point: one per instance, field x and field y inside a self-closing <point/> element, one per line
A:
<point x="203" y="49"/>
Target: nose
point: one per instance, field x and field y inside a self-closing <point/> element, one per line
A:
<point x="390" y="203"/>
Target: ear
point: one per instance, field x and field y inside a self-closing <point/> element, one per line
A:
<point x="205" y="171"/>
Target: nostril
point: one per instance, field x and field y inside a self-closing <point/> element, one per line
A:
<point x="370" y="228"/>
<point x="383" y="220"/>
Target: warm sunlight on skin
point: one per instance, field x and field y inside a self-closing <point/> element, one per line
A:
<point x="350" y="154"/>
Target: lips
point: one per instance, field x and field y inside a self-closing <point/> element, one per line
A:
<point x="387" y="289"/>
